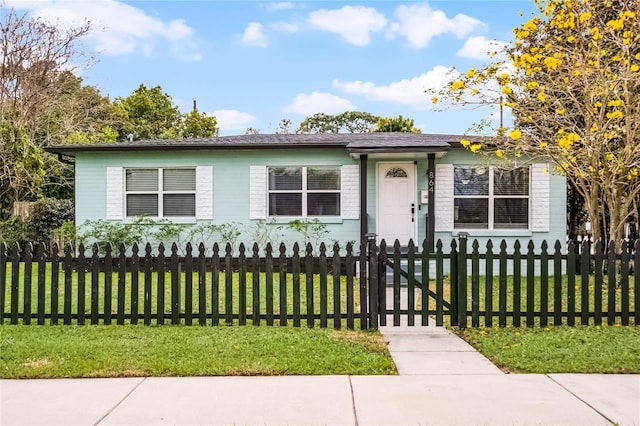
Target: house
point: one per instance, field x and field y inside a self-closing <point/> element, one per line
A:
<point x="397" y="185"/>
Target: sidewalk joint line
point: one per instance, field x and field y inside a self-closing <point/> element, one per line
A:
<point x="582" y="400"/>
<point x="353" y="402"/>
<point x="120" y="402"/>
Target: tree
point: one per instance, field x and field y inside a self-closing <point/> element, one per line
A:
<point x="34" y="58"/>
<point x="397" y="124"/>
<point x="347" y="122"/>
<point x="198" y="125"/>
<point x="572" y="82"/>
<point x="149" y="114"/>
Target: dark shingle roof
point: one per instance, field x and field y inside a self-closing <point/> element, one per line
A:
<point x="353" y="142"/>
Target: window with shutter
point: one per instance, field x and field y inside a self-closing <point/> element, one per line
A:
<point x="304" y="191"/>
<point x="161" y="192"/>
<point x="491" y="198"/>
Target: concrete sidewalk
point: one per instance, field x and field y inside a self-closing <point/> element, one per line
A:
<point x="492" y="399"/>
<point x="442" y="381"/>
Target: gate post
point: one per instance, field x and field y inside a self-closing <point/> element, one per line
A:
<point x="372" y="252"/>
<point x="462" y="280"/>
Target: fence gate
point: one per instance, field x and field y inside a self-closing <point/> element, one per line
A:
<point x="408" y="286"/>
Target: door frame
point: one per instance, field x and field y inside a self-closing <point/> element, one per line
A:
<point x="413" y="166"/>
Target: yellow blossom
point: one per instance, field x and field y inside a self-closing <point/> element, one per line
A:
<point x="471" y="72"/>
<point x="465" y="142"/>
<point x="543" y="145"/>
<point x="552" y="63"/>
<point x="610" y="156"/>
<point x="560" y="111"/>
<point x="541" y="96"/>
<point x="616" y="24"/>
<point x="609" y="135"/>
<point x="615" y="115"/>
<point x="457" y="85"/>
<point x="515" y="134"/>
<point x="475" y="147"/>
<point x="571" y="39"/>
<point x="499" y="153"/>
<point x="434" y="100"/>
<point x="635" y="68"/>
<point x="507" y="90"/>
<point x="532" y="85"/>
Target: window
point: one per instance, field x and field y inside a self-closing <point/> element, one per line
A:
<point x="491" y="198"/>
<point x="304" y="191"/>
<point x="161" y="192"/>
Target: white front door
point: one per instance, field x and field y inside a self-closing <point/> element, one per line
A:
<point x="396" y="202"/>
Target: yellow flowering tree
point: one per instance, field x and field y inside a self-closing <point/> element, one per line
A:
<point x="572" y="81"/>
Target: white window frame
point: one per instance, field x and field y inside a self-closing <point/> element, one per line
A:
<point x="160" y="192"/>
<point x="491" y="197"/>
<point x="304" y="191"/>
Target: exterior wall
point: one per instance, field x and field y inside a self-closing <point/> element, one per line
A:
<point x="231" y="191"/>
<point x="231" y="184"/>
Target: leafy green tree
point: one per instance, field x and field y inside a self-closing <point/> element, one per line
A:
<point x="150" y="114"/>
<point x="397" y="124"/>
<point x="198" y="125"/>
<point x="347" y="122"/>
<point x="572" y="82"/>
<point x="35" y="60"/>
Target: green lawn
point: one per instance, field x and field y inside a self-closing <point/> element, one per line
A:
<point x="128" y="351"/>
<point x="561" y="349"/>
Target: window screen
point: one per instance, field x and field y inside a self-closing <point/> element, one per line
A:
<point x="304" y="191"/>
<point x="161" y="192"/>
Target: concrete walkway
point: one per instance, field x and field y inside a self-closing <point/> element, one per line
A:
<point x="442" y="381"/>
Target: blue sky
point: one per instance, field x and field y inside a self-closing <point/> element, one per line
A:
<point x="253" y="63"/>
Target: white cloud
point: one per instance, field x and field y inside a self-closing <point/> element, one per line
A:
<point x="419" y="23"/>
<point x="309" y="104"/>
<point x="118" y="28"/>
<point x="405" y="92"/>
<point x="254" y="35"/>
<point x="232" y="119"/>
<point x="354" y="23"/>
<point x="480" y="48"/>
<point x="282" y="5"/>
<point x="285" y="27"/>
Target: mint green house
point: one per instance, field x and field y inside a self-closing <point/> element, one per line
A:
<point x="395" y="185"/>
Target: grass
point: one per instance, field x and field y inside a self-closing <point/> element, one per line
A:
<point x="138" y="351"/>
<point x="561" y="349"/>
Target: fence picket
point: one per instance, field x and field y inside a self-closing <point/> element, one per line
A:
<point x="135" y="277"/>
<point x="380" y="281"/>
<point x="282" y="270"/>
<point x="160" y="285"/>
<point x="202" y="285"/>
<point x="611" y="284"/>
<point x="242" y="285"/>
<point x="28" y="266"/>
<point x="188" y="285"/>
<point x="174" y="269"/>
<point x="453" y="282"/>
<point x="362" y="266"/>
<point x="82" y="268"/>
<point x="68" y="289"/>
<point x="475" y="284"/>
<point x="531" y="284"/>
<point x="255" y="287"/>
<point x="269" y="283"/>
<point x="146" y="268"/>
<point x="15" y="284"/>
<point x="108" y="289"/>
<point x="308" y="272"/>
<point x="3" y="279"/>
<point x="42" y="274"/>
<point x="95" y="285"/>
<point x="517" y="283"/>
<point x="502" y="283"/>
<point x="625" y="257"/>
<point x="571" y="283"/>
<point x="323" y="286"/>
<point x="215" y="285"/>
<point x="411" y="283"/>
<point x="122" y="283"/>
<point x="228" y="285"/>
<point x="440" y="286"/>
<point x="488" y="293"/>
<point x="636" y="282"/>
<point x="350" y="271"/>
<point x="597" y="284"/>
<point x="336" y="271"/>
<point x="425" y="279"/>
<point x="396" y="284"/>
<point x="295" y="272"/>
<point x="585" y="266"/>
<point x="557" y="284"/>
<point x="544" y="284"/>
